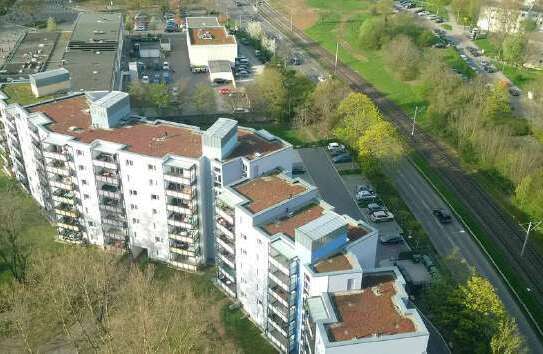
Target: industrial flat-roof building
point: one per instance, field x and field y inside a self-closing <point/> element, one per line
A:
<point x="49" y="82"/>
<point x="93" y="55"/>
<point x="208" y="41"/>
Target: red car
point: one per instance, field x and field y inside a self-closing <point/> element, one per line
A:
<point x="225" y="91"/>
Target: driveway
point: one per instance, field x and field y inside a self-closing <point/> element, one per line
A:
<point x="329" y="182"/>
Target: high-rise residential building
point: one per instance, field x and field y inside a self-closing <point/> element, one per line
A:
<point x="129" y="184"/>
<point x="280" y="248"/>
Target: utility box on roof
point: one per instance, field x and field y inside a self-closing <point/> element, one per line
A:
<point x="109" y="109"/>
<point x="49" y="82"/>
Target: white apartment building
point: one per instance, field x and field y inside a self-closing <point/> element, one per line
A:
<point x="494" y="17"/>
<point x="208" y="41"/>
<point x="130" y="184"/>
<point x="279" y="245"/>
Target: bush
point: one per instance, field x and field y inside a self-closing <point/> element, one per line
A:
<point x="373" y="33"/>
<point x="403" y="57"/>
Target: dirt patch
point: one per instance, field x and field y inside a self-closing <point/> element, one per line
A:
<point x="303" y="16"/>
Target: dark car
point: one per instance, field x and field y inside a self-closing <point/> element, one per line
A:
<point x="443" y="216"/>
<point x="342" y="158"/>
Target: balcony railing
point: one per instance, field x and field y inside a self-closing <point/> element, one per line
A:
<point x="70" y="236"/>
<point x="227" y="258"/>
<point x="105" y="160"/>
<point x="181" y="220"/>
<point x="187" y="177"/>
<point x="228" y="285"/>
<point x="226" y="271"/>
<point x="109" y="191"/>
<point x="279" y="278"/>
<point x="68" y="223"/>
<point x="66" y="209"/>
<point x="278" y="323"/>
<point x="184" y="262"/>
<point x="278" y="339"/>
<point x="115" y="232"/>
<point x="107" y="176"/>
<point x="179" y="191"/>
<point x="225" y="243"/>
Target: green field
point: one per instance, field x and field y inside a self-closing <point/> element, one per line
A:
<point x="22" y="94"/>
<point x="342" y="24"/>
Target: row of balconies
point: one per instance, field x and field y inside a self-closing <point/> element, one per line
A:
<point x="107" y="175"/>
<point x="186" y="176"/>
<point x="225" y="242"/>
<point x="66" y="209"/>
<point x="181" y="220"/>
<point x="226" y="257"/>
<point x="70" y="235"/>
<point x="184" y="262"/>
<point x="69" y="223"/>
<point x="228" y="285"/>
<point x="179" y="191"/>
<point x="105" y="160"/>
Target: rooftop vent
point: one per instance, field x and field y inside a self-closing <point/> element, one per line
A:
<point x="74" y="129"/>
<point x="97" y="52"/>
<point x="206" y="35"/>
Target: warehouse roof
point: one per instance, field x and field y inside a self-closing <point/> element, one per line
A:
<point x="202" y="22"/>
<point x="93" y="27"/>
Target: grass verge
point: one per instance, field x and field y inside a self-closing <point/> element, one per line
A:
<point x="246" y="335"/>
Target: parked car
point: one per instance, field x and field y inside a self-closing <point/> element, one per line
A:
<point x="166" y="66"/>
<point x="166" y="77"/>
<point x="156" y="78"/>
<point x="241" y="60"/>
<point x="145" y="79"/>
<point x="365" y="193"/>
<point x="225" y="91"/>
<point x="298" y="168"/>
<point x="442" y="215"/>
<point x="344" y="157"/>
<point x="391" y="239"/>
<point x="514" y="91"/>
<point x="375" y="207"/>
<point x="381" y="216"/>
<point x="335" y="148"/>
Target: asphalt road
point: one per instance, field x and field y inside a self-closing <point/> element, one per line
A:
<point x="330" y="184"/>
<point x="421" y="198"/>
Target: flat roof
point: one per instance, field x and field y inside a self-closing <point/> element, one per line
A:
<point x="356" y="232"/>
<point x="32" y="43"/>
<point x="94" y="27"/>
<point x="369" y="311"/>
<point x="202" y="22"/>
<point x="215" y="35"/>
<point x="219" y="66"/>
<point x="144" y="138"/>
<point x="289" y="224"/>
<point x="251" y="145"/>
<point x="266" y="191"/>
<point x="335" y="263"/>
<point x="90" y="71"/>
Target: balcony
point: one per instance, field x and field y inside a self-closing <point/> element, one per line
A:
<point x="280" y="262"/>
<point x="279" y="294"/>
<point x="115" y="244"/>
<point x="57" y="167"/>
<point x="64" y="196"/>
<point x="68" y="223"/>
<point x="33" y="132"/>
<point x="179" y="191"/>
<point x="182" y="234"/>
<point x="65" y="183"/>
<point x="226" y="213"/>
<point x="105" y="160"/>
<point x="226" y="243"/>
<point x="107" y="176"/>
<point x="227" y="285"/>
<point x="277" y="308"/>
<point x="109" y="191"/>
<point x="113" y="220"/>
<point x="187" y="222"/>
<point x="227" y="258"/>
<point x="279" y="278"/>
<point x="54" y="152"/>
<point x="178" y="175"/>
<point x="113" y="232"/>
<point x="184" y="262"/>
<point x="225" y="227"/>
<point x="180" y="206"/>
<point x="111" y="204"/>
<point x="226" y="271"/>
<point x="66" y="209"/>
<point x="184" y="248"/>
<point x="278" y="339"/>
<point x="278" y="323"/>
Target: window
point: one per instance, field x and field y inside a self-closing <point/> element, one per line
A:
<point x="133" y="206"/>
<point x="91" y="223"/>
<point x="79" y="152"/>
<point x="129" y="163"/>
<point x="259" y="241"/>
<point x="84" y="182"/>
<point x="157" y="239"/>
<point x="81" y="167"/>
<point x="243" y="236"/>
<point x="135" y="221"/>
<point x="133" y="192"/>
<point x="151" y="167"/>
<point x="151" y="182"/>
<point x="86" y="210"/>
<point x="155" y="211"/>
<point x="86" y="196"/>
<point x="154" y="196"/>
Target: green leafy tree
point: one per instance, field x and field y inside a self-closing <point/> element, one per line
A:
<point x="269" y="94"/>
<point x="507" y="340"/>
<point x="403" y="57"/>
<point x="373" y="33"/>
<point x="513" y="48"/>
<point x="203" y="99"/>
<point x="496" y="104"/>
<point x="466" y="11"/>
<point x="159" y="95"/>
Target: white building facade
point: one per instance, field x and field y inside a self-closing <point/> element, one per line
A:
<point x="127" y="184"/>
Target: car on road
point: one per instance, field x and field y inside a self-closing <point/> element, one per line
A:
<point x="344" y="157"/>
<point x="381" y="216"/>
<point x="391" y="239"/>
<point x="474" y="51"/>
<point x="442" y="215"/>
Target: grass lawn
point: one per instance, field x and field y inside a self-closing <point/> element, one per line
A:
<point x="487" y="46"/>
<point x="342" y="24"/>
<point x="22" y="94"/>
<point x="246" y="335"/>
<point x="520" y="76"/>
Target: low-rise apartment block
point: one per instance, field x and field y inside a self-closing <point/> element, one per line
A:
<point x="129" y="184"/>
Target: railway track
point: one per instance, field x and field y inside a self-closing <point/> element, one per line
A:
<point x="495" y="222"/>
